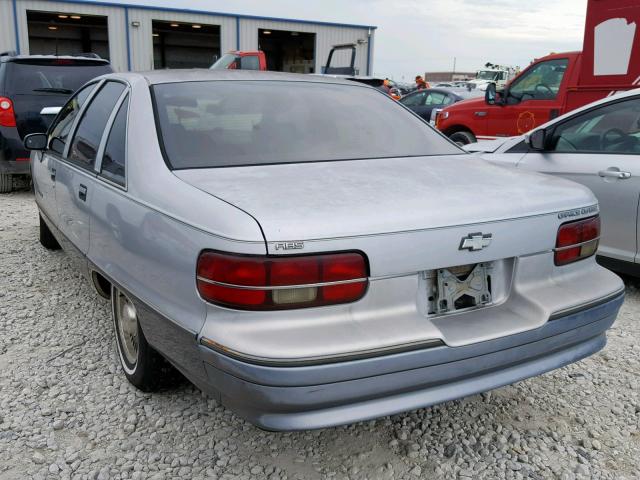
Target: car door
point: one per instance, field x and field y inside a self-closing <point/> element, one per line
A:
<point x="75" y="177"/>
<point x="434" y="99"/>
<point x="531" y="99"/>
<point x="600" y="148"/>
<point x="45" y="163"/>
<point x="414" y="101"/>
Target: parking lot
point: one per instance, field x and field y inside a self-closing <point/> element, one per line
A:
<point x="66" y="410"/>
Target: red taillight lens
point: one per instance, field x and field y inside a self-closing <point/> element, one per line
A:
<point x="7" y="115"/>
<point x="228" y="272"/>
<point x="577" y="240"/>
<point x="250" y="282"/>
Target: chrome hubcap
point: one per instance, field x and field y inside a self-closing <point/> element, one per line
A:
<point x="127" y="321"/>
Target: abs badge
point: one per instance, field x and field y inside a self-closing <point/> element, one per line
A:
<point x="475" y="241"/>
<point x="289" y="245"/>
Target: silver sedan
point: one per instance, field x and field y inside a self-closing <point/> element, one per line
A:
<point x="598" y="146"/>
<point x="310" y="252"/>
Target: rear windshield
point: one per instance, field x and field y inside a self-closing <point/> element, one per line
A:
<point x="65" y="77"/>
<point x="227" y="123"/>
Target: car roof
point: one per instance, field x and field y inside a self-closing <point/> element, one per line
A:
<point x="82" y="58"/>
<point x="155" y="77"/>
<point x="434" y="89"/>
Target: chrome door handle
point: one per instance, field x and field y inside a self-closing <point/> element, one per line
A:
<point x="82" y="193"/>
<point x="53" y="174"/>
<point x="614" y="174"/>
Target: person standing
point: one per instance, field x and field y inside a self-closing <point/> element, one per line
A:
<point x="421" y="83"/>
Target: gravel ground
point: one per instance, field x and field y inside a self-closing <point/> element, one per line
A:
<point x="66" y="410"/>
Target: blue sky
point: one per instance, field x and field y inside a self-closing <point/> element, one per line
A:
<point x="415" y="36"/>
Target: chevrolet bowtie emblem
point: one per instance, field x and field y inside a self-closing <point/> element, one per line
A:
<point x="475" y="241"/>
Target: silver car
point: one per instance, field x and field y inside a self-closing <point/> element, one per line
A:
<point x="598" y="146"/>
<point x="310" y="252"/>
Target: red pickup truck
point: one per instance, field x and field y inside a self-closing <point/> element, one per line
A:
<point x="237" y="60"/>
<point x="558" y="83"/>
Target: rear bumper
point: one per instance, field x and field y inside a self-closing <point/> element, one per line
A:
<point x="14" y="158"/>
<point x="15" y="168"/>
<point x="316" y="396"/>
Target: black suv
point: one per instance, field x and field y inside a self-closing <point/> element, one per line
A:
<point x="29" y="84"/>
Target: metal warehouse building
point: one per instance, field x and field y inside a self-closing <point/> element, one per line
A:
<point x="135" y="37"/>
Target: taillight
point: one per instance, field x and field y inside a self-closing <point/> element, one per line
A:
<point x="7" y="115"/>
<point x="577" y="240"/>
<point x="251" y="282"/>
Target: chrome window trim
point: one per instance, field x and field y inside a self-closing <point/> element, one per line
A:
<point x="75" y="167"/>
<point x="55" y="122"/>
<point x="74" y="127"/>
<point x="282" y="287"/>
<point x="78" y="119"/>
<point x="105" y="138"/>
<point x="107" y="131"/>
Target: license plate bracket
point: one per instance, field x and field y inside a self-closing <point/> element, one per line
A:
<point x="460" y="288"/>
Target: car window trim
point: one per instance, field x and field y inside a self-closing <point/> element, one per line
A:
<point x="75" y="95"/>
<point x="554" y="127"/>
<point x="105" y="138"/>
<point x="76" y="122"/>
<point x="77" y="168"/>
<point x="49" y="131"/>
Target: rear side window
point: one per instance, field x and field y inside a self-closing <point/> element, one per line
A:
<point x="611" y="129"/>
<point x="224" y="123"/>
<point x="113" y="161"/>
<point x="250" y="62"/>
<point x="415" y="100"/>
<point x="86" y="141"/>
<point x="436" y="98"/>
<point x="60" y="129"/>
<point x="62" y="77"/>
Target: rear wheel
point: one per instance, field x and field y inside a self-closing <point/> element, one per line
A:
<point x="463" y="137"/>
<point x="6" y="182"/>
<point x="47" y="240"/>
<point x="143" y="366"/>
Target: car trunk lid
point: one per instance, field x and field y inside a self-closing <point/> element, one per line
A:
<point x="401" y="212"/>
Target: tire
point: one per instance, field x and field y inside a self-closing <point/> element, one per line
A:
<point x="6" y="182"/>
<point x="47" y="240"/>
<point x="463" y="137"/>
<point x="145" y="368"/>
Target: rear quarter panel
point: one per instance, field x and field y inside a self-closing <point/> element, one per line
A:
<point x="147" y="236"/>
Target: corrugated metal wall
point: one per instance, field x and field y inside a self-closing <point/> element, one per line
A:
<point x="140" y="53"/>
<point x="326" y="37"/>
<point x="115" y="17"/>
<point x="142" y="41"/>
<point x="7" y="32"/>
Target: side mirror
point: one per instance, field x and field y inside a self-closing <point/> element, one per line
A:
<point x="35" y="141"/>
<point x="490" y="94"/>
<point x="537" y="139"/>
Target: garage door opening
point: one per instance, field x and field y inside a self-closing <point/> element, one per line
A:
<point x="53" y="33"/>
<point x="288" y="51"/>
<point x="184" y="45"/>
